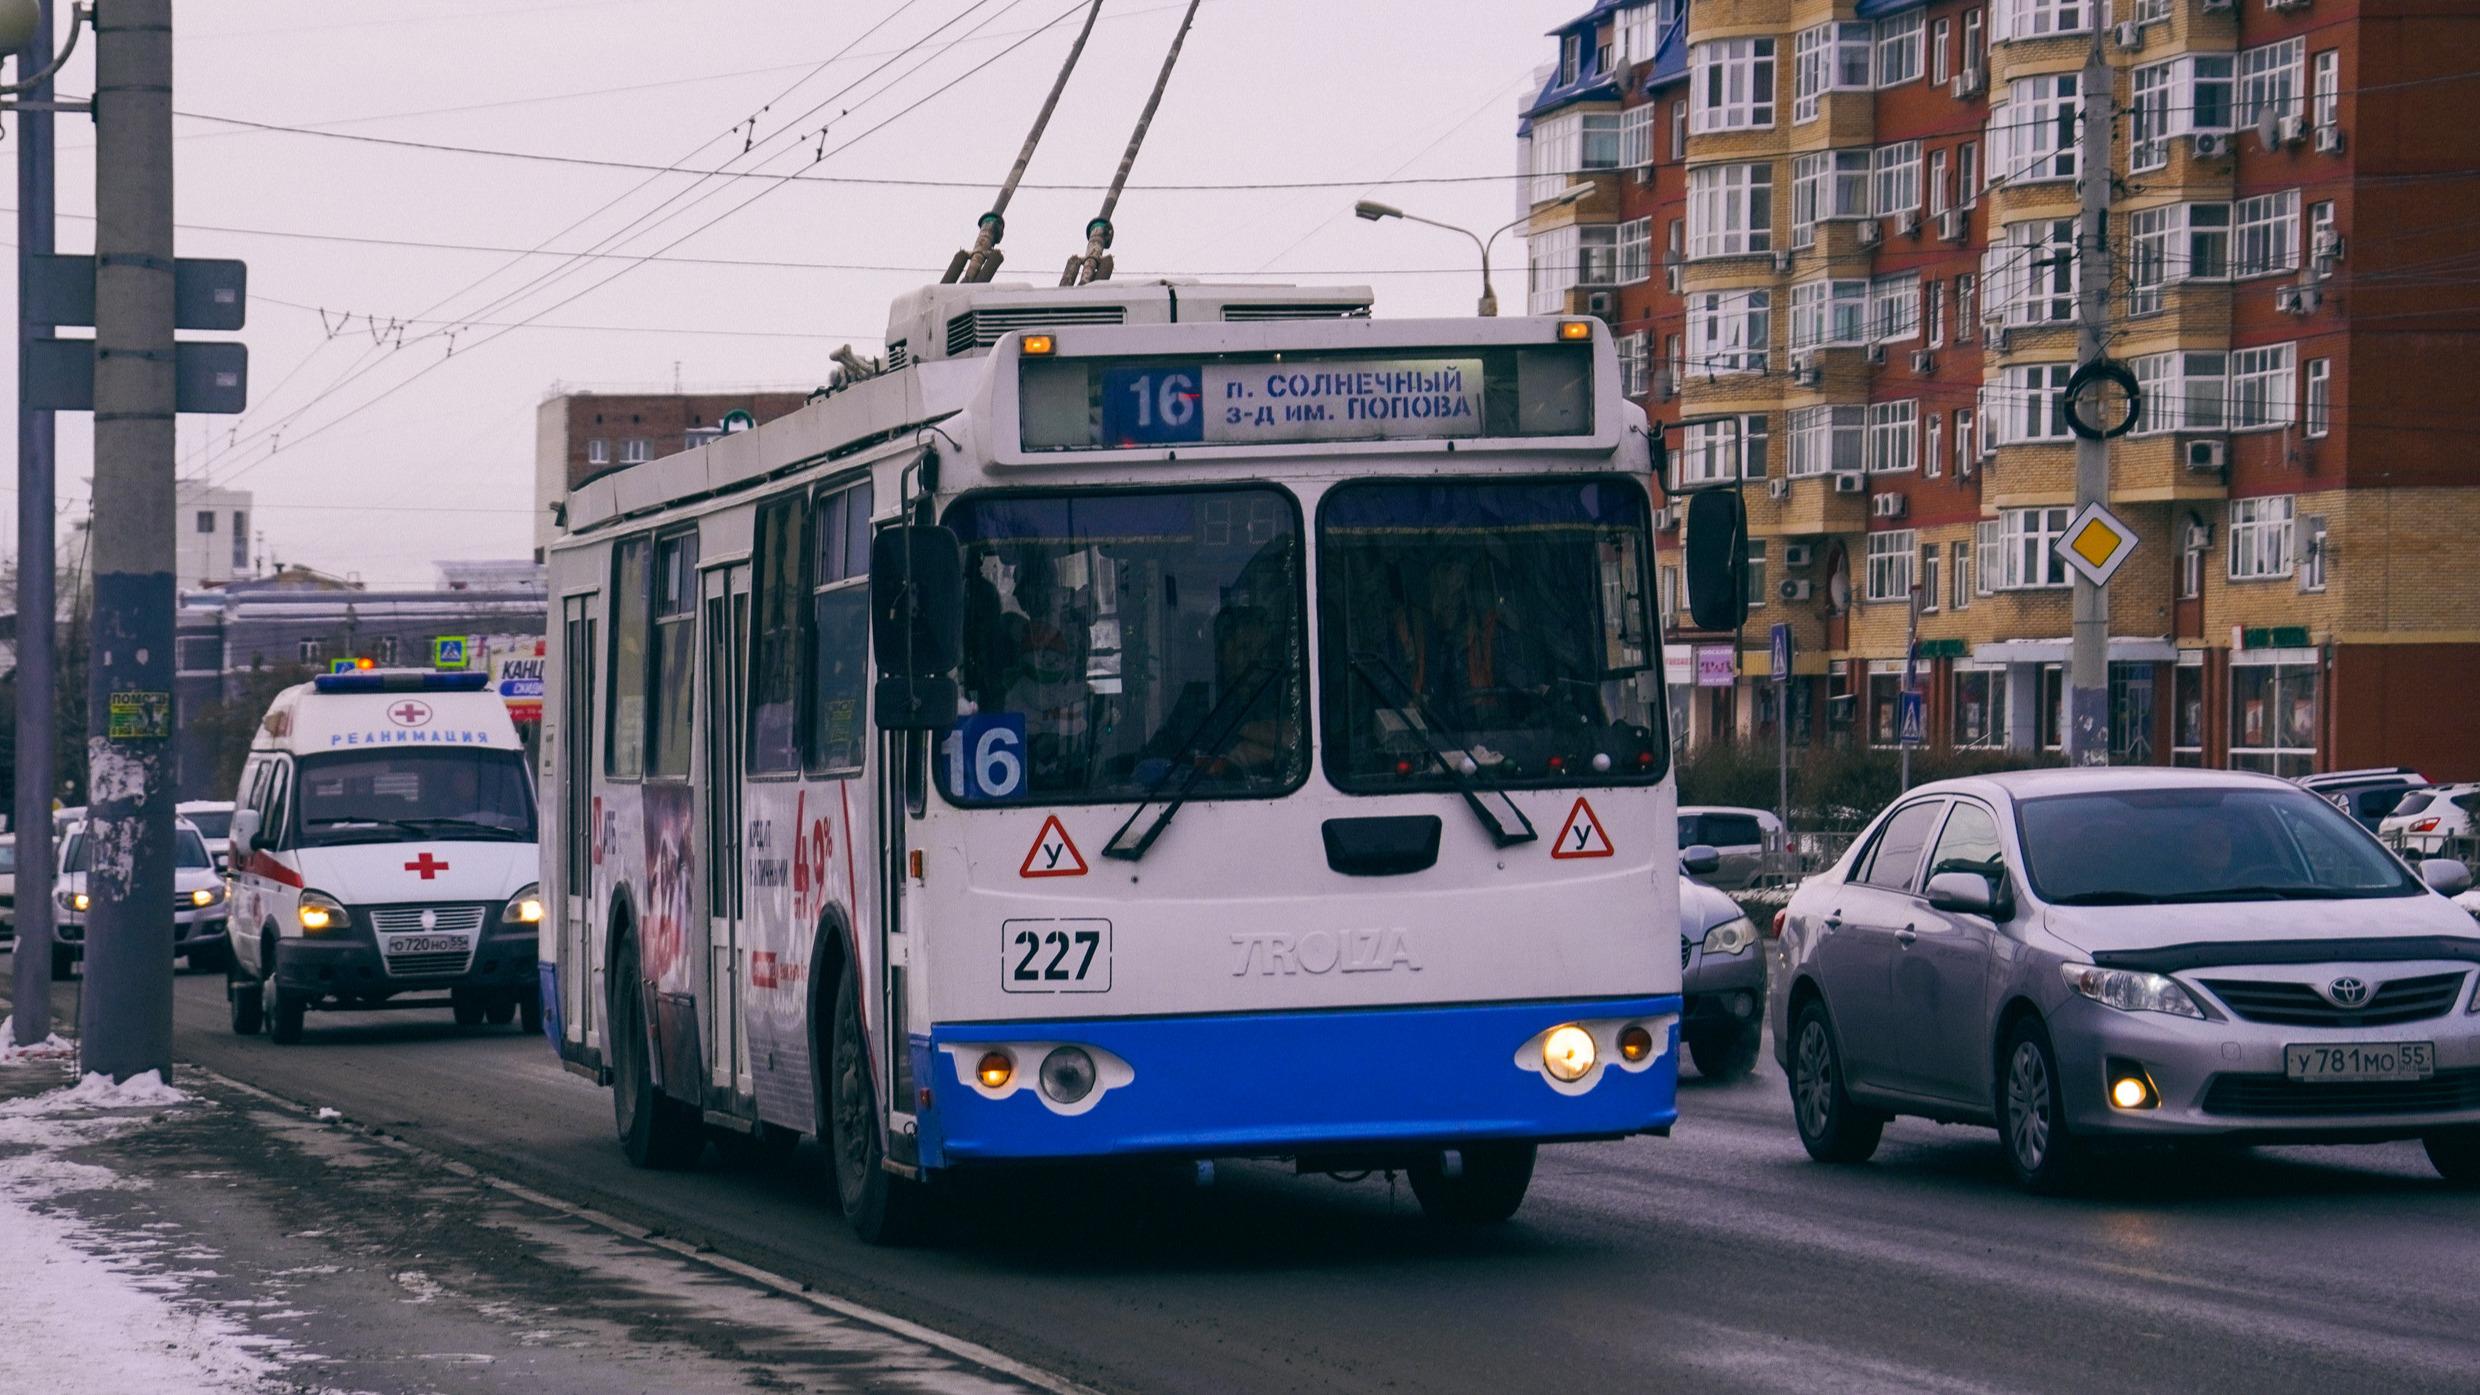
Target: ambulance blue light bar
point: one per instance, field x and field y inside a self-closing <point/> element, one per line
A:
<point x="400" y="681"/>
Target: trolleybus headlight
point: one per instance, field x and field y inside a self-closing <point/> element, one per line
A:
<point x="1567" y="1052"/>
<point x="320" y="913"/>
<point x="995" y="1070"/>
<point x="1068" y="1074"/>
<point x="1635" y="1043"/>
<point x="524" y="908"/>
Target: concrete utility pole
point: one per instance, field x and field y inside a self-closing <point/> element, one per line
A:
<point x="38" y="716"/>
<point x="127" y="1023"/>
<point x="2088" y="657"/>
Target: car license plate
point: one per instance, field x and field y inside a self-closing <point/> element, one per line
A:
<point x="2353" y="1061"/>
<point x="425" y="944"/>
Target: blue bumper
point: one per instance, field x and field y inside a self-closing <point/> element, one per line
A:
<point x="1286" y="1083"/>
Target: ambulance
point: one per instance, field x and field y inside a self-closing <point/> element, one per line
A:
<point x="384" y="855"/>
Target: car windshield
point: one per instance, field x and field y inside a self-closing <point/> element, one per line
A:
<point x="377" y="797"/>
<point x="2201" y="843"/>
<point x="212" y="823"/>
<point x="1123" y="644"/>
<point x="1503" y="627"/>
<point x="188" y="851"/>
<point x="1720" y="830"/>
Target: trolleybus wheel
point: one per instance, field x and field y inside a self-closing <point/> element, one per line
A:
<point x="655" y="1129"/>
<point x="499" y="1012"/>
<point x="529" y="1013"/>
<point x="884" y="1209"/>
<point x="1485" y="1189"/>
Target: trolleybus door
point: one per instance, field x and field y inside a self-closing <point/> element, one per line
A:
<point x="573" y="761"/>
<point x="725" y="613"/>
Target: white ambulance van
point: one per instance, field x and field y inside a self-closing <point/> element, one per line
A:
<point x="384" y="855"/>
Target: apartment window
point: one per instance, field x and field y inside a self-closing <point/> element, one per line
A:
<point x="2260" y="387"/>
<point x="1941" y="53"/>
<point x="1986" y="546"/>
<point x="1898" y="176"/>
<point x="2148" y="258"/>
<point x="2320" y="396"/>
<point x="1933" y="311"/>
<point x="1929" y="576"/>
<point x="598" y="452"/>
<point x="206" y="520"/>
<point x="1828" y="312"/>
<point x="2265" y="235"/>
<point x="1828" y="58"/>
<point x="2031" y="272"/>
<point x="1636" y="136"/>
<point x="2032" y="19"/>
<point x="1679" y="130"/>
<point x="1965" y="449"/>
<point x="2032" y="134"/>
<point x="1933" y="445"/>
<point x="1756" y="572"/>
<point x="1570" y="143"/>
<point x="2150" y="11"/>
<point x="1959" y="567"/>
<point x="1941" y="196"/>
<point x="1967" y="174"/>
<point x="2325" y="89"/>
<point x="241" y="540"/>
<point x="1635" y="251"/>
<point x="1640" y="32"/>
<point x="1827" y="184"/>
<point x="2028" y="548"/>
<point x="1565" y="258"/>
<point x="1675" y="353"/>
<point x="1732" y="84"/>
<point x="1980" y="707"/>
<point x="2312" y="555"/>
<point x="1890" y="565"/>
<point x="2181" y="391"/>
<point x="2148" y="116"/>
<point x="1827" y="438"/>
<point x="1965" y="286"/>
<point x="1973" y="48"/>
<point x="2260" y="537"/>
<point x="2207" y="242"/>
<point x="1894" y="307"/>
<point x="2191" y="565"/>
<point x="1571" y="59"/>
<point x="1898" y="48"/>
<point x="2036" y="402"/>
<point x="1636" y="364"/>
<point x="2324" y="240"/>
<point x="1893" y="436"/>
<point x="1667" y="597"/>
<point x="311" y="650"/>
<point x="2269" y="81"/>
<point x="1707" y="449"/>
<point x="1730" y="210"/>
<point x="1730" y="331"/>
<point x="2179" y="97"/>
<point x="1604" y="140"/>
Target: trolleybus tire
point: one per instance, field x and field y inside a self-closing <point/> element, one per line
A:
<point x="467" y="1005"/>
<point x="284" y="1016"/>
<point x="1725" y="1053"/>
<point x="248" y="999"/>
<point x="656" y="1131"/>
<point x="1486" y="1189"/>
<point x="1832" y="1126"/>
<point x="882" y="1208"/>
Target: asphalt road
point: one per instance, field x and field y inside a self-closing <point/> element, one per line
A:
<point x="1720" y="1259"/>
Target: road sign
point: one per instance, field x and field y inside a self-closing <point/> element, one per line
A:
<point x="1911" y="719"/>
<point x="736" y="420"/>
<point x="1053" y="853"/>
<point x="209" y="378"/>
<point x="211" y="293"/>
<point x="449" y="651"/>
<point x="1782" y="652"/>
<point x="1582" y="835"/>
<point x="2096" y="544"/>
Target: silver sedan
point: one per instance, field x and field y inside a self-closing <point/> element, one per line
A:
<point x="2083" y="958"/>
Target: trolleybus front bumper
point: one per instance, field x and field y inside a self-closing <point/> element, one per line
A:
<point x="1366" y="1082"/>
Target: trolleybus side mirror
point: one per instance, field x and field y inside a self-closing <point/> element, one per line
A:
<point x="1717" y="548"/>
<point x="916" y="625"/>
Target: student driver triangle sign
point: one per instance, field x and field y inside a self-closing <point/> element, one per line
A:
<point x="1053" y="853"/>
<point x="1582" y="836"/>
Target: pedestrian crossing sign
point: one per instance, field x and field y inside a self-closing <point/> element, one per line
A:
<point x="449" y="651"/>
<point x="2096" y="544"/>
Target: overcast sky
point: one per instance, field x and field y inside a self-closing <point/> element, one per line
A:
<point x="1269" y="92"/>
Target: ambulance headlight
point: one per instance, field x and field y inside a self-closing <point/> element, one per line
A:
<point x="524" y="908"/>
<point x="320" y="913"/>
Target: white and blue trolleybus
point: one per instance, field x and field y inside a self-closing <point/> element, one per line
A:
<point x="1137" y="721"/>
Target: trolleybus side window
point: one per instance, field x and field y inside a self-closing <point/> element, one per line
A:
<point x="1503" y="626"/>
<point x="672" y="687"/>
<point x="624" y="752"/>
<point x="839" y="630"/>
<point x="775" y="642"/>
<point x="1126" y="643"/>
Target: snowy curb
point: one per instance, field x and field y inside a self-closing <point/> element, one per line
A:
<point x="145" y="1090"/>
<point x="51" y="1048"/>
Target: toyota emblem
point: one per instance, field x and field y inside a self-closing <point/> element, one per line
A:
<point x="2347" y="992"/>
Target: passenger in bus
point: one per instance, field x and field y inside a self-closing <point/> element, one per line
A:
<point x="1453" y="646"/>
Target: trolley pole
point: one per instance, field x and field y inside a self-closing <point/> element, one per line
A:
<point x="2088" y="656"/>
<point x="127" y="1015"/>
<point x="38" y="714"/>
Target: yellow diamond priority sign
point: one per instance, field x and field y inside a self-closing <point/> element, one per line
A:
<point x="2096" y="544"/>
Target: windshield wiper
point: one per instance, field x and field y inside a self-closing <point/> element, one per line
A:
<point x="1222" y="719"/>
<point x="1470" y="782"/>
<point x="2296" y="891"/>
<point x="438" y="827"/>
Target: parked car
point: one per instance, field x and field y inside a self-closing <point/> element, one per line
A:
<point x="198" y="908"/>
<point x="1722" y="973"/>
<point x="2431" y="820"/>
<point x="2086" y="957"/>
<point x="1741" y="836"/>
<point x="2367" y="795"/>
<point x="213" y="818"/>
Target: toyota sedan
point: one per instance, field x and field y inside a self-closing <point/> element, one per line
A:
<point x="2084" y="958"/>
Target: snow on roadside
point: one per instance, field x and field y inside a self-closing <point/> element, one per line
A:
<point x="51" y="1048"/>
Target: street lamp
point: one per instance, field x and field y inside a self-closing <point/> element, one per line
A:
<point x="1377" y="212"/>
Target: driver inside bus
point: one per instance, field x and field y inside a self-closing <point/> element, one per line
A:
<point x="1453" y="642"/>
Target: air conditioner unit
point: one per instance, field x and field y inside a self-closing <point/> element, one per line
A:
<point x="1974" y="78"/>
<point x="2296" y="300"/>
<point x="1782" y="262"/>
<point x="1876" y="353"/>
<point x="1804" y="371"/>
<point x="2290" y="130"/>
<point x="1778" y="490"/>
<point x="1869" y="233"/>
<point x="1887" y="505"/>
<point x="2329" y="140"/>
<point x="2205" y="456"/>
<point x="1796" y="590"/>
<point x="1601" y="304"/>
<point x="2130" y="35"/>
<point x="2209" y="145"/>
<point x="1849" y="482"/>
<point x="1923" y="361"/>
<point x="1910" y="222"/>
<point x="1665" y="520"/>
<point x="2327" y="246"/>
<point x="1796" y="555"/>
<point x="1952" y="225"/>
<point x="1998" y="337"/>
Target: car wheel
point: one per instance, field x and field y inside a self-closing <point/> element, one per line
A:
<point x="1485" y="1190"/>
<point x="2043" y="1152"/>
<point x="883" y="1209"/>
<point x="529" y="1013"/>
<point x="655" y="1129"/>
<point x="1832" y="1127"/>
<point x="467" y="1006"/>
<point x="2455" y="1153"/>
<point x="284" y="1017"/>
<point x="1725" y="1053"/>
<point x="248" y="1000"/>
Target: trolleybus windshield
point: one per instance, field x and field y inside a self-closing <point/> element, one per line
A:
<point x="1120" y="643"/>
<point x="1502" y="623"/>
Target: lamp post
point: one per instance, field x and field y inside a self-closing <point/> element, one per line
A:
<point x="1377" y="212"/>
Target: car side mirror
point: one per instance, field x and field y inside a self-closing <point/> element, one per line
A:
<point x="1699" y="860"/>
<point x="1967" y="893"/>
<point x="2445" y="875"/>
<point x="244" y="837"/>
<point x="917" y="625"/>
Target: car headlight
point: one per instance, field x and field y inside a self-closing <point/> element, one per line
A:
<point x="524" y="908"/>
<point x="206" y="896"/>
<point x="1731" y="937"/>
<point x="320" y="913"/>
<point x="73" y="901"/>
<point x="2130" y="991"/>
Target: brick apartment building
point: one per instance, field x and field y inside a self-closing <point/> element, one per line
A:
<point x="1839" y="241"/>
<point x="580" y="435"/>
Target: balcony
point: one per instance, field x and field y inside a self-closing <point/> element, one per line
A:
<point x="1804" y="507"/>
<point x="2151" y="469"/>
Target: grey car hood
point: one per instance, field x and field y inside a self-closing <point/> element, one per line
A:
<point x="1701" y="908"/>
<point x="2100" y="928"/>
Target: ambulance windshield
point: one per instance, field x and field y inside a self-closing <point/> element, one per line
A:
<point x="448" y="794"/>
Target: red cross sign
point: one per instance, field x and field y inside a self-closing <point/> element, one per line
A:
<point x="427" y="865"/>
<point x="410" y="713"/>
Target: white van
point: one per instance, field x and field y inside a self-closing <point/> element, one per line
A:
<point x="384" y="855"/>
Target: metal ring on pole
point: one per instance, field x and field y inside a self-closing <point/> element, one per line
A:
<point x="2096" y="371"/>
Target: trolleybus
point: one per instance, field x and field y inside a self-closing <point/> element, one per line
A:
<point x="1137" y="721"/>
